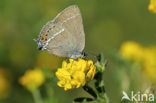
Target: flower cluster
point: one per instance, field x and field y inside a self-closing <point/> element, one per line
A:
<point x="152" y="6"/>
<point x="149" y="62"/>
<point x="75" y="73"/>
<point x="131" y="50"/>
<point x="146" y="55"/>
<point x="32" y="79"/>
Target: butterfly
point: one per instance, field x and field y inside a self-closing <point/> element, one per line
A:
<point x="64" y="35"/>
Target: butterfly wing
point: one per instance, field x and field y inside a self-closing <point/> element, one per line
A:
<point x="71" y="20"/>
<point x="70" y="38"/>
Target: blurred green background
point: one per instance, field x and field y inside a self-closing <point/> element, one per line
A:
<point x="107" y="24"/>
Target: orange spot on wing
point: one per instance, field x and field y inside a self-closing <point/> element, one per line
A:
<point x="43" y="38"/>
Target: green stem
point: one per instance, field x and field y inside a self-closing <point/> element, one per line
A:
<point x="37" y="96"/>
<point x="103" y="98"/>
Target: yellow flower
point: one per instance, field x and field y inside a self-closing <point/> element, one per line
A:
<point x="149" y="63"/>
<point x="131" y="50"/>
<point x="4" y="84"/>
<point x="45" y="60"/>
<point x="147" y="56"/>
<point x="152" y="6"/>
<point x="92" y="70"/>
<point x="75" y="73"/>
<point x="32" y="79"/>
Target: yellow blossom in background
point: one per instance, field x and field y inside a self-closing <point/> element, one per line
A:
<point x="149" y="62"/>
<point x="46" y="60"/>
<point x="152" y="6"/>
<point x="4" y="84"/>
<point x="131" y="50"/>
<point x="75" y="73"/>
<point x="147" y="56"/>
<point x="32" y="79"/>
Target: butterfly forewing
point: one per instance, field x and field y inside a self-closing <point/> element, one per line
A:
<point x="75" y="27"/>
<point x="67" y="13"/>
<point x="71" y="20"/>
